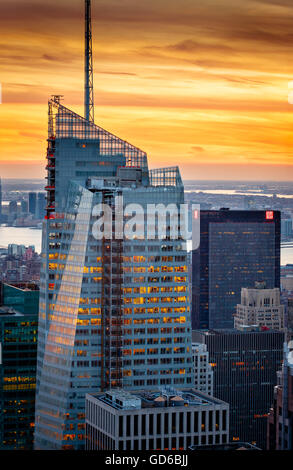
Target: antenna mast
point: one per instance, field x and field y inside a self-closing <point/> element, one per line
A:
<point x="89" y="86"/>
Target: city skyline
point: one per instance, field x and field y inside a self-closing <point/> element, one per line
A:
<point x="164" y="77"/>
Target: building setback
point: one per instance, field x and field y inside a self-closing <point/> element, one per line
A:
<point x="236" y="249"/>
<point x="245" y="366"/>
<point x="154" y="420"/>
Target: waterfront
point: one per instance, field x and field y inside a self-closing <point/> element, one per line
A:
<point x="287" y="253"/>
<point x="21" y="236"/>
<point x="29" y="236"/>
<point x="236" y="192"/>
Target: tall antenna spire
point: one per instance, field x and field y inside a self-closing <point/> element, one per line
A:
<point x="88" y="86"/>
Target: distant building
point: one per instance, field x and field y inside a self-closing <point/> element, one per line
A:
<point x="261" y="307"/>
<point x="154" y="420"/>
<point x="236" y="249"/>
<point x="248" y="202"/>
<point x="41" y="206"/>
<point x="203" y="372"/>
<point x="286" y="270"/>
<point x="18" y="361"/>
<point x="289" y="317"/>
<point x="287" y="283"/>
<point x="286" y="228"/>
<point x="245" y="366"/>
<point x="16" y="250"/>
<point x="12" y="207"/>
<point x="12" y="211"/>
<point x="32" y="203"/>
<point x="24" y="206"/>
<point x="20" y="264"/>
<point x="280" y="419"/>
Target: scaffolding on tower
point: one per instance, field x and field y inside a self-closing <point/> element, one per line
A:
<point x="112" y="302"/>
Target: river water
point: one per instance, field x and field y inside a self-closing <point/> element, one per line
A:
<point x="30" y="236"/>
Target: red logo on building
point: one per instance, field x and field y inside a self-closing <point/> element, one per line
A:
<point x="269" y="215"/>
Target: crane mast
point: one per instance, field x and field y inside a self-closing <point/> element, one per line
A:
<point x="89" y="86"/>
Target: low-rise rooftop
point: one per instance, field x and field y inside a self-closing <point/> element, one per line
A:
<point x="9" y="311"/>
<point x="163" y="398"/>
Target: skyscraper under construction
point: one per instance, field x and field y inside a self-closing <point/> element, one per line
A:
<point x="114" y="312"/>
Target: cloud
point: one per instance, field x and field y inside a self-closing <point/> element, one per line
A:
<point x="203" y="79"/>
<point x="128" y="74"/>
<point x="191" y="46"/>
<point x="197" y="149"/>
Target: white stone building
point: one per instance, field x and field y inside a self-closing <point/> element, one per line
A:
<point x="260" y="307"/>
<point x="203" y="372"/>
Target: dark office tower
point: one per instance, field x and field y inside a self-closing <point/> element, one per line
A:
<point x="12" y="207"/>
<point x="12" y="210"/>
<point x="32" y="203"/>
<point x="245" y="365"/>
<point x="24" y="206"/>
<point x="18" y="362"/>
<point x="280" y="419"/>
<point x="237" y="248"/>
<point x="41" y="205"/>
<point x="290" y="318"/>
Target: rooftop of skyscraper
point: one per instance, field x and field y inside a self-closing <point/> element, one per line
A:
<point x="162" y="398"/>
<point x="9" y="312"/>
<point x="228" y="331"/>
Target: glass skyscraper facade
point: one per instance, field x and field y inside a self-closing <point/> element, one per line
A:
<point x="237" y="248"/>
<point x="113" y="312"/>
<point x="18" y="362"/>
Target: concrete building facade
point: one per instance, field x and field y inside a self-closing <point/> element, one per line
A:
<point x="261" y="307"/>
<point x="157" y="420"/>
<point x="202" y="370"/>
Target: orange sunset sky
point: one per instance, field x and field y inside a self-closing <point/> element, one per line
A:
<point x="198" y="83"/>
